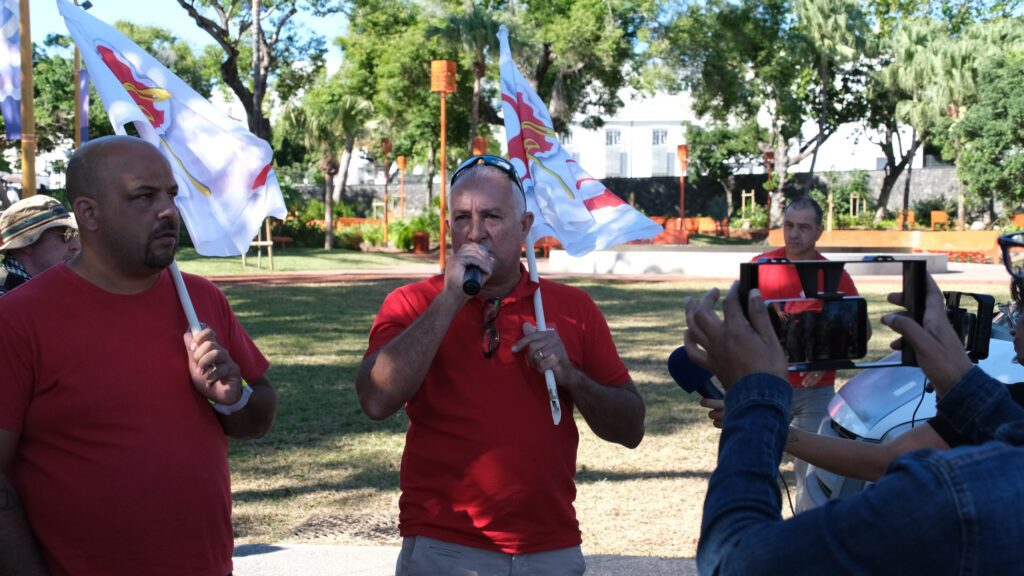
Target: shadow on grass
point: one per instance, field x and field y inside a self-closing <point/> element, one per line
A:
<point x="593" y="475"/>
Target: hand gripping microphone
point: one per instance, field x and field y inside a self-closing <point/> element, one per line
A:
<point x="471" y="280"/>
<point x="690" y="376"/>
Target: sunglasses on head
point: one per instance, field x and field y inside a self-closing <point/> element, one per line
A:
<point x="495" y="161"/>
<point x="1012" y="246"/>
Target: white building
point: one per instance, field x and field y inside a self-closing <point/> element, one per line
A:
<point x="640" y="141"/>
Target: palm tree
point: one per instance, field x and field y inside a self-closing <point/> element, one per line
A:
<point x="912" y="66"/>
<point x="475" y="28"/>
<point x="327" y="121"/>
<point x="838" y="32"/>
<point x="954" y="88"/>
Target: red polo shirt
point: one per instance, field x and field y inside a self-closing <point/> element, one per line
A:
<point x="779" y="282"/>
<point x="484" y="465"/>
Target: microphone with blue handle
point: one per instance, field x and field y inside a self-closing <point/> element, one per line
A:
<point x="690" y="376"/>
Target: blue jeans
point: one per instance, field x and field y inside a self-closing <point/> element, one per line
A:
<point x="934" y="512"/>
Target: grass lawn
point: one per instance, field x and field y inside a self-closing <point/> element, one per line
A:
<point x="292" y="260"/>
<point x="326" y="473"/>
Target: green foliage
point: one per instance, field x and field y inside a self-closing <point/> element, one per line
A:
<point x="756" y="215"/>
<point x="923" y="209"/>
<point x="401" y="231"/>
<point x="992" y="131"/>
<point x="312" y="210"/>
<point x="855" y="184"/>
<point x="373" y="234"/>
<point x="302" y="232"/>
<point x="348" y="238"/>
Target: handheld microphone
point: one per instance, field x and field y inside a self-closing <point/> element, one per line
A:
<point x="690" y="376"/>
<point x="471" y="280"/>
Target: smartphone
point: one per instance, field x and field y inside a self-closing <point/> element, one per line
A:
<point x="814" y="330"/>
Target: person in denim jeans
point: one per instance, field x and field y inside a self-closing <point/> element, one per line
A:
<point x="934" y="512"/>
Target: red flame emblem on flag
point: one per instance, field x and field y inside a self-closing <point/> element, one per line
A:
<point x="533" y="133"/>
<point x="149" y="99"/>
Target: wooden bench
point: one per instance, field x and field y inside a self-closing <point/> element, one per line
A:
<point x="1018" y="221"/>
<point x="940" y="218"/>
<point x="282" y="240"/>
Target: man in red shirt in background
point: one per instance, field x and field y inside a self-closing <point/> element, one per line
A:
<point x="113" y="457"/>
<point x="812" y="391"/>
<point x="486" y="476"/>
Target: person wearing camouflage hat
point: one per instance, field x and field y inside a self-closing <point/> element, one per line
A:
<point x="36" y="233"/>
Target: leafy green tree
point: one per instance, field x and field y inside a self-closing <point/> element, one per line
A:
<point x="719" y="151"/>
<point x="388" y="49"/>
<point x="580" y="53"/>
<point x="991" y="163"/>
<point x="474" y="27"/>
<point x="896" y="96"/>
<point x="954" y="88"/>
<point x="327" y="121"/>
<point x="742" y="59"/>
<point x="286" y="52"/>
<point x="839" y="37"/>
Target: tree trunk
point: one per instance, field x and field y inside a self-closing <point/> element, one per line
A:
<point x="727" y="184"/>
<point x="430" y="177"/>
<point x="778" y="197"/>
<point x="328" y="212"/>
<point x="348" y="162"/>
<point x="479" y="69"/>
<point x="822" y="107"/>
<point x="893" y="169"/>
<point x="256" y="123"/>
<point x="910" y="172"/>
<point x="961" y="208"/>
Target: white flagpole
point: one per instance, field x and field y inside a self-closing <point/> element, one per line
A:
<point x="538" y="308"/>
<point x="179" y="282"/>
<point x="186" y="300"/>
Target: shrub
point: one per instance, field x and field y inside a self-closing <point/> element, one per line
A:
<point x="303" y="233"/>
<point x="348" y="238"/>
<point x="756" y="215"/>
<point x="373" y="234"/>
<point x="923" y="209"/>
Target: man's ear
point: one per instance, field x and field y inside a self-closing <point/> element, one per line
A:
<point x="525" y="223"/>
<point x="86" y="213"/>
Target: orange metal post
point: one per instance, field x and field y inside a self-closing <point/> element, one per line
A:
<point x="442" y="79"/>
<point x="479" y="145"/>
<point x="683" y="154"/>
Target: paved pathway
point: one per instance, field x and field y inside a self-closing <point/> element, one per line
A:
<point x="317" y="560"/>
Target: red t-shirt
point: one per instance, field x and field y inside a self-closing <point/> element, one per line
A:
<point x="121" y="465"/>
<point x="778" y="282"/>
<point x="484" y="465"/>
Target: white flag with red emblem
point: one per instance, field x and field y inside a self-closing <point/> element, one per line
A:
<point x="566" y="202"/>
<point x="225" y="173"/>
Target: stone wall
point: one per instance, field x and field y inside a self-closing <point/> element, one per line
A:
<point x="660" y="195"/>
